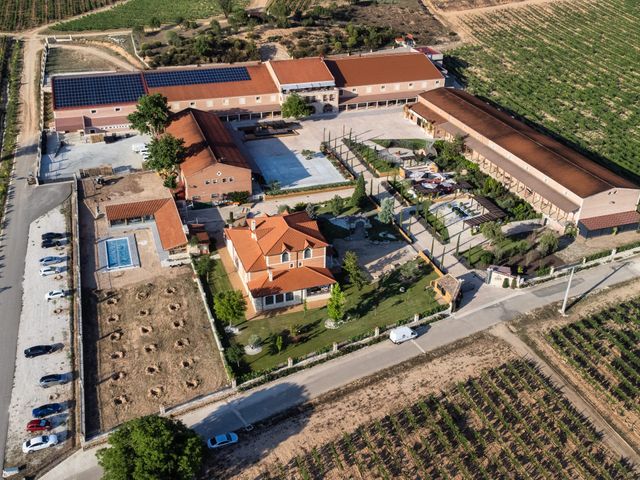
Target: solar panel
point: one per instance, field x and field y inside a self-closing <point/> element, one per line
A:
<point x="196" y="77"/>
<point x="97" y="90"/>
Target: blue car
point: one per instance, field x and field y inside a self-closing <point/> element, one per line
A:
<point x="48" y="409"/>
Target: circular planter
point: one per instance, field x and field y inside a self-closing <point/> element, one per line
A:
<point x="331" y="324"/>
<point x="249" y="350"/>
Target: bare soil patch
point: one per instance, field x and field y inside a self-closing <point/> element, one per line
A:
<point x="136" y="354"/>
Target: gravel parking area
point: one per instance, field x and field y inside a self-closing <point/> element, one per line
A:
<point x="70" y="158"/>
<point x="42" y="323"/>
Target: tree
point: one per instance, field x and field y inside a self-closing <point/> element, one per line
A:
<point x="154" y="22"/>
<point x="151" y="116"/>
<point x="279" y="343"/>
<point x="548" y="243"/>
<point x="234" y="354"/>
<point x="254" y="341"/>
<point x="492" y="232"/>
<point x="295" y="107"/>
<point x="311" y="210"/>
<point x="359" y="196"/>
<point x="386" y="211"/>
<point x="203" y="265"/>
<point x="335" y="306"/>
<point x="229" y="306"/>
<point x="426" y="205"/>
<point x="138" y="31"/>
<point x="352" y="267"/>
<point x="226" y="6"/>
<point x="336" y="204"/>
<point x="165" y="153"/>
<point x="152" y="447"/>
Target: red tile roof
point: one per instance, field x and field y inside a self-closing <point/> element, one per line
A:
<point x="290" y="281"/>
<point x="165" y="213"/>
<point x="274" y="235"/>
<point x="612" y="220"/>
<point x="382" y="69"/>
<point x="261" y="83"/>
<point x="206" y="139"/>
<point x="301" y="70"/>
<point x="574" y="171"/>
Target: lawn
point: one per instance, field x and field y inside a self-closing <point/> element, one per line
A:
<point x="218" y="278"/>
<point x="376" y="305"/>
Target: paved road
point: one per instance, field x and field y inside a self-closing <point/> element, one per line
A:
<point x="24" y="204"/>
<point x="308" y="384"/>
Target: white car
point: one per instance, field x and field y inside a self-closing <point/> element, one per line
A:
<point x="39" y="443"/>
<point x="402" y="334"/>
<point x="53" y="294"/>
<point x="45" y="271"/>
<point x="222" y="440"/>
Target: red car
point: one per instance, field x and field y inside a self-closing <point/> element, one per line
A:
<point x="39" y="425"/>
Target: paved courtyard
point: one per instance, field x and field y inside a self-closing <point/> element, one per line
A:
<point x="71" y="157"/>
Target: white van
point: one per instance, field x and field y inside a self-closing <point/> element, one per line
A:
<point x="402" y="334"/>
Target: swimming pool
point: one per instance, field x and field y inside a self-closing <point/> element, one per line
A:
<point x="118" y="253"/>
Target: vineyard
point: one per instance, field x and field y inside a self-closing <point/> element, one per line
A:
<point x="568" y="66"/>
<point x="293" y="5"/>
<point x="510" y="422"/>
<point x="21" y="14"/>
<point x="605" y="349"/>
<point x="140" y="12"/>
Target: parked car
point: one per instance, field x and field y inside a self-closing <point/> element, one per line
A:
<point x="222" y="440"/>
<point x="38" y="350"/>
<point x="54" y="243"/>
<point x="53" y="235"/>
<point x="52" y="380"/>
<point x="52" y="260"/>
<point x="46" y="271"/>
<point x="39" y="425"/>
<point x="39" y="443"/>
<point x="402" y="334"/>
<point x="47" y="409"/>
<point x="53" y="294"/>
<point x="139" y="147"/>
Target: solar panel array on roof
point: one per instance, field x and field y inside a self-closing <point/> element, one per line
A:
<point x="196" y="77"/>
<point x="97" y="90"/>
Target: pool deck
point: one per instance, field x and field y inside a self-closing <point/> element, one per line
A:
<point x="103" y="257"/>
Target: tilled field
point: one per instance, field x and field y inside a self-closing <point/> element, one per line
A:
<point x="154" y="347"/>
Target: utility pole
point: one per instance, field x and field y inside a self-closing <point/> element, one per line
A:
<point x="566" y="294"/>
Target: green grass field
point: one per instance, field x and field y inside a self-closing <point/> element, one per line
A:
<point x="571" y="67"/>
<point x="139" y="12"/>
<point x="376" y="305"/>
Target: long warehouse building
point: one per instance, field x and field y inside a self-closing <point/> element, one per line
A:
<point x="559" y="182"/>
<point x="95" y="103"/>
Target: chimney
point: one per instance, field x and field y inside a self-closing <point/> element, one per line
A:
<point x="270" y="273"/>
<point x="253" y="225"/>
<point x="254" y="237"/>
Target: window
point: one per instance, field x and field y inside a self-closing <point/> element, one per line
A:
<point x="94" y="111"/>
<point x="258" y="99"/>
<point x="354" y="90"/>
<point x="207" y="182"/>
<point x="382" y="87"/>
<point x="284" y="257"/>
<point x="117" y="109"/>
<point x="230" y="179"/>
<point x="279" y="298"/>
<point x="437" y="82"/>
<point x="215" y="180"/>
<point x="268" y="300"/>
<point x="410" y="85"/>
<point x="224" y="180"/>
<point x="307" y="253"/>
<point x="288" y="296"/>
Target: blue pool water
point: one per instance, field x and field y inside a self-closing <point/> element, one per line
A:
<point x="118" y="253"/>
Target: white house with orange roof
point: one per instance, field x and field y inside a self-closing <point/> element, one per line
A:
<point x="281" y="260"/>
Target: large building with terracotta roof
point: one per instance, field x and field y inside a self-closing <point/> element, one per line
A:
<point x="559" y="182"/>
<point x="214" y="165"/>
<point x="94" y="103"/>
<point x="281" y="260"/>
